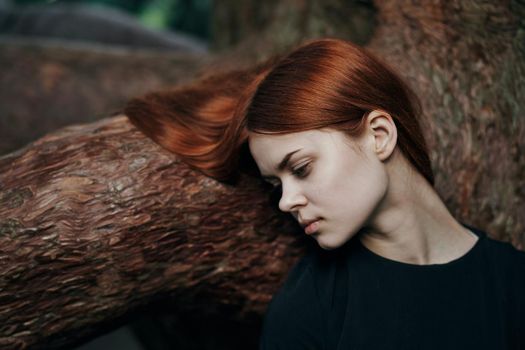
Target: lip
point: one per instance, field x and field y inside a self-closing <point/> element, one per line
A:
<point x="312" y="228"/>
<point x="307" y="222"/>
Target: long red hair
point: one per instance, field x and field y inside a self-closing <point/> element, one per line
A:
<point x="323" y="83"/>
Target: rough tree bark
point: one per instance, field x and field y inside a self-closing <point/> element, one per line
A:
<point x="96" y="220"/>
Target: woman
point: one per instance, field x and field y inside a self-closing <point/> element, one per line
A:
<point x="337" y="134"/>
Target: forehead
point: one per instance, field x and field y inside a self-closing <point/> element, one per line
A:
<point x="265" y="143"/>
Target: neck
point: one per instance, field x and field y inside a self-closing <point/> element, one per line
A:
<point x="413" y="225"/>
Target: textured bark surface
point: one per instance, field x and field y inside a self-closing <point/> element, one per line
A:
<point x="96" y="220"/>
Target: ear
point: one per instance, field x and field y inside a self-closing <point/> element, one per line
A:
<point x="383" y="133"/>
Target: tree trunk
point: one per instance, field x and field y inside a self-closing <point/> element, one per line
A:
<point x="96" y="220"/>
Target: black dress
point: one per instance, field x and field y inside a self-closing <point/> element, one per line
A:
<point x="352" y="298"/>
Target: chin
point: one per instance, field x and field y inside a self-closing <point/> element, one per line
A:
<point x="328" y="244"/>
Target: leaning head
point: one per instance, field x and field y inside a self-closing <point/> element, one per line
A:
<point x="326" y="126"/>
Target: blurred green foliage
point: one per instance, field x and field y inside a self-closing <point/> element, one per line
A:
<point x="189" y="16"/>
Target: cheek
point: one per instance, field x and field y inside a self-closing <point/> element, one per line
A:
<point x="351" y="206"/>
<point x="357" y="192"/>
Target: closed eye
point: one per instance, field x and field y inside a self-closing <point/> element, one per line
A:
<point x="301" y="171"/>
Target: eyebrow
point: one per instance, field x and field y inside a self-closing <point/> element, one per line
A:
<point x="283" y="163"/>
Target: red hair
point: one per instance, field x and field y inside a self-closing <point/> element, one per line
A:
<point x="324" y="83"/>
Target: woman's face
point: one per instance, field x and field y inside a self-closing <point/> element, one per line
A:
<point x="325" y="177"/>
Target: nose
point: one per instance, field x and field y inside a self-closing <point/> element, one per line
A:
<point x="291" y="197"/>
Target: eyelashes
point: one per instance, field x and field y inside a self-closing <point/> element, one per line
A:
<point x="300" y="172"/>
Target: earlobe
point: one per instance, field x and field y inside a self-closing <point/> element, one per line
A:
<point x="384" y="133"/>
